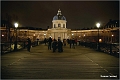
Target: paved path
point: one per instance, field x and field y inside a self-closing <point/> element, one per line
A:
<point x="78" y="63"/>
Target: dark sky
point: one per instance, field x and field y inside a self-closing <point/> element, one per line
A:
<point x="79" y="14"/>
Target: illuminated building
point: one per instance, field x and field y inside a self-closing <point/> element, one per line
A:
<point x="108" y="33"/>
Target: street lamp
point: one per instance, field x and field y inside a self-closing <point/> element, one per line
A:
<point x="98" y="46"/>
<point x="44" y="35"/>
<point x="112" y="38"/>
<point x="15" y="47"/>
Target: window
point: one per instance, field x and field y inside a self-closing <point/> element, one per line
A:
<point x="59" y="25"/>
<point x="63" y="25"/>
<point x="54" y="25"/>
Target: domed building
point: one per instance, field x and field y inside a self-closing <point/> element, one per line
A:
<point x="59" y="21"/>
<point x="59" y="30"/>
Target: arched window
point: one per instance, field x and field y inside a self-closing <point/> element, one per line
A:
<point x="63" y="25"/>
<point x="59" y="25"/>
<point x="54" y="25"/>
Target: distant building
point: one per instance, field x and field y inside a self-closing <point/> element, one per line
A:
<point x="59" y="29"/>
<point x="107" y="33"/>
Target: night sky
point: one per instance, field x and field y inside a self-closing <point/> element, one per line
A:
<point x="79" y="14"/>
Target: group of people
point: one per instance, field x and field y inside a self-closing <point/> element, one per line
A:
<point x="54" y="44"/>
<point x="58" y="44"/>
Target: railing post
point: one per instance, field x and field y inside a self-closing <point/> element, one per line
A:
<point x="110" y="48"/>
<point x="1" y="48"/>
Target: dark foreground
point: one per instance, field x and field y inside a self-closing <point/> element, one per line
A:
<point x="78" y="63"/>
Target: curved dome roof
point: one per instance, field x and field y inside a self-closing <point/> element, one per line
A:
<point x="59" y="16"/>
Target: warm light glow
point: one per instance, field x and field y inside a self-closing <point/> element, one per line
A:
<point x="98" y="25"/>
<point x="112" y="35"/>
<point x="44" y="34"/>
<point x="16" y="25"/>
<point x="84" y="34"/>
<point x="33" y="34"/>
<point x="2" y="35"/>
<point x="100" y="40"/>
<point x="72" y="34"/>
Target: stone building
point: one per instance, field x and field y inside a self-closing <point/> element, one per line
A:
<point x="59" y="29"/>
<point x="108" y="33"/>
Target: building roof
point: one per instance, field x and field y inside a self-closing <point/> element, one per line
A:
<point x="59" y="16"/>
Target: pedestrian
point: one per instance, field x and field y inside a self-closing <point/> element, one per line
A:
<point x="54" y="45"/>
<point x="60" y="46"/>
<point x="49" y="43"/>
<point x="70" y="42"/>
<point x="28" y="44"/>
<point x="73" y="43"/>
<point x="45" y="41"/>
<point x="37" y="42"/>
<point x="64" y="42"/>
<point x="76" y="41"/>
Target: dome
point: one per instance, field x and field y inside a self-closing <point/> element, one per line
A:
<point x="59" y="16"/>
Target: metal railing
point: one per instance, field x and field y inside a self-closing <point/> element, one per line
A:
<point x="9" y="46"/>
<point x="110" y="48"/>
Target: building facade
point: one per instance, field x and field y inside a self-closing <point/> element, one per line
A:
<point x="108" y="33"/>
<point x="59" y="29"/>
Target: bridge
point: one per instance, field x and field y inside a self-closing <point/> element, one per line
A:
<point x="41" y="63"/>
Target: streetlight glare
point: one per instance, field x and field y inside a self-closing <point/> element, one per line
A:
<point x="16" y="25"/>
<point x="98" y="25"/>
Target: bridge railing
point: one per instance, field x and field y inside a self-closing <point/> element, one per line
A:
<point x="111" y="48"/>
<point x="9" y="46"/>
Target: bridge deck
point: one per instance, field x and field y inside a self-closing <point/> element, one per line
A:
<point x="41" y="63"/>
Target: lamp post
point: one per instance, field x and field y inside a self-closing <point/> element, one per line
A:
<point x="98" y="46"/>
<point x="112" y="38"/>
<point x="15" y="47"/>
<point x="44" y="35"/>
<point x="72" y="35"/>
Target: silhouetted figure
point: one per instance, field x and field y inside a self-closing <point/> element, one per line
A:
<point x="37" y="41"/>
<point x="28" y="44"/>
<point x="49" y="43"/>
<point x="60" y="46"/>
<point x="64" y="42"/>
<point x="45" y="41"/>
<point x="70" y="42"/>
<point x="73" y="43"/>
<point x="76" y="42"/>
<point x="54" y="45"/>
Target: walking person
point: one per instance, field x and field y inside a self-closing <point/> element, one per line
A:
<point x="54" y="45"/>
<point x="49" y="43"/>
<point x="60" y="46"/>
<point x="28" y="44"/>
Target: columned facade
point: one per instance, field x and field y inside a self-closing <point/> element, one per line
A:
<point x="109" y="32"/>
<point x="59" y="30"/>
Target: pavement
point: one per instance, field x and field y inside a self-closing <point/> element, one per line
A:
<point x="41" y="63"/>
